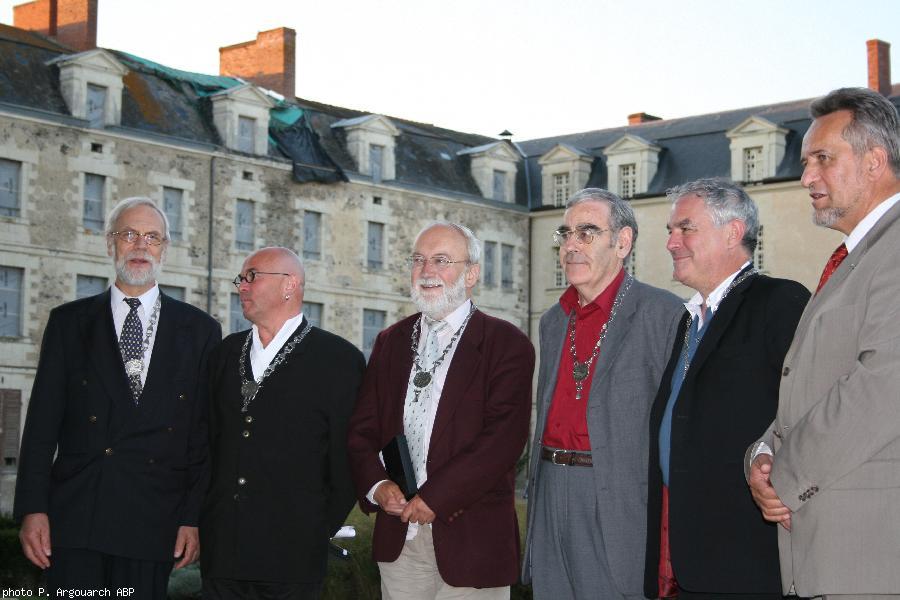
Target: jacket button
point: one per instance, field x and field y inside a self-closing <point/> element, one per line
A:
<point x="245" y="433"/>
<point x="108" y="452"/>
<point x="92" y="418"/>
<point x="84" y="382"/>
<point x="786" y="371"/>
<point x="170" y="429"/>
<point x="248" y="419"/>
<point x="242" y="481"/>
<point x="151" y="461"/>
<point x="181" y="396"/>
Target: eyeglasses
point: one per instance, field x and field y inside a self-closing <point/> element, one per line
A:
<point x="438" y="263"/>
<point x="130" y="236"/>
<point x="250" y="277"/>
<point x="584" y="235"/>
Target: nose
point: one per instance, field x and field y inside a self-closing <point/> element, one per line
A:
<point x="674" y="240"/>
<point x="428" y="269"/>
<point x="243" y="285"/>
<point x="570" y="243"/>
<point x="140" y="242"/>
<point x="810" y="174"/>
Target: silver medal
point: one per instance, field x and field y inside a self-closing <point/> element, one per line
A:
<point x="134" y="367"/>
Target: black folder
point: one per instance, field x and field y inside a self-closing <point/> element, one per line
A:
<point x="398" y="465"/>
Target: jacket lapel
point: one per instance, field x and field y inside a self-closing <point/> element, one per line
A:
<point x="170" y="335"/>
<point x="551" y="353"/>
<point x="613" y="342"/>
<point x="102" y="347"/>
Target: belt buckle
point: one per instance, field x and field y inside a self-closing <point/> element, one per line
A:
<point x="558" y="452"/>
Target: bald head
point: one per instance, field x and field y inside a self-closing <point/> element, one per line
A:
<point x="276" y="293"/>
<point x="285" y="259"/>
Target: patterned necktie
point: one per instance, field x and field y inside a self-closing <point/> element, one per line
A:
<point x="416" y="412"/>
<point x="131" y="344"/>
<point x="837" y="257"/>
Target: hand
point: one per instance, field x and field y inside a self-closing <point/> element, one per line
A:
<point x="417" y="511"/>
<point x="35" y="538"/>
<point x="764" y="494"/>
<point x="389" y="497"/>
<point x="187" y="546"/>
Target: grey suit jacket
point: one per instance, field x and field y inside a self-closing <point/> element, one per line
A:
<point x="836" y="435"/>
<point x="628" y="372"/>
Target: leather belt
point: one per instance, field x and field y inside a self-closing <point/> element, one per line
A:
<point x="568" y="458"/>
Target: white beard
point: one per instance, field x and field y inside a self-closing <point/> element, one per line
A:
<point x="135" y="277"/>
<point x="451" y="297"/>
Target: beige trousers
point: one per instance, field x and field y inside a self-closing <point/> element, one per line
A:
<point x="414" y="576"/>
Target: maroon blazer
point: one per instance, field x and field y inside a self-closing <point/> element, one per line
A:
<point x="479" y="432"/>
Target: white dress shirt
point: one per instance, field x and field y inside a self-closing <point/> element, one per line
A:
<point x="262" y="356"/>
<point x="712" y="301"/>
<point x="120" y="310"/>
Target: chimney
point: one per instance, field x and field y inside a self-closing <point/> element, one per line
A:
<point x="641" y="117"/>
<point x="71" y="22"/>
<point x="879" y="54"/>
<point x="267" y="62"/>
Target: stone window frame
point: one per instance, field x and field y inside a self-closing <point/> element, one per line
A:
<point x="13" y="187"/>
<point x="370" y="331"/>
<point x="756" y="132"/>
<point x="632" y="149"/>
<point x="89" y="285"/>
<point x="93" y="223"/>
<point x="563" y="159"/>
<point x="489" y="264"/>
<point x="314" y="313"/>
<point x="310" y="253"/>
<point x="375" y="245"/>
<point x="240" y="243"/>
<point x="12" y="324"/>
<point x="507" y="266"/>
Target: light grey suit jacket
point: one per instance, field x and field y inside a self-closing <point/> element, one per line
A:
<point x="836" y="435"/>
<point x="627" y="376"/>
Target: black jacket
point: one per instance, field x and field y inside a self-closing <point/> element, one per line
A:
<point x="125" y="477"/>
<point x="718" y="539"/>
<point x="290" y="451"/>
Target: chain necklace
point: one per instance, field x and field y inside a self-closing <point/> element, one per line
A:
<point x="249" y="387"/>
<point x="424" y="376"/>
<point x="135" y="366"/>
<point x="687" y="330"/>
<point x="580" y="370"/>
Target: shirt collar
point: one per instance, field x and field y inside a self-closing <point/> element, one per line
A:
<point x="148" y="298"/>
<point x="868" y="222"/>
<point x="714" y="298"/>
<point x="279" y="338"/>
<point x="603" y="301"/>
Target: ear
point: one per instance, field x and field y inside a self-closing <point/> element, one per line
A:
<point x="875" y="161"/>
<point x="291" y="284"/>
<point x="473" y="274"/>
<point x="624" y="241"/>
<point x="736" y="231"/>
<point x="110" y="245"/>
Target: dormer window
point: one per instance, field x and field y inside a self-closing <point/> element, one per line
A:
<point x="564" y="169"/>
<point x="246" y="141"/>
<point x="241" y="116"/>
<point x="91" y="84"/>
<point x="371" y="143"/>
<point x="757" y="148"/>
<point x="494" y="168"/>
<point x="499" y="186"/>
<point x="631" y="164"/>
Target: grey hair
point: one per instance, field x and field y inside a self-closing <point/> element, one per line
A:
<point x="132" y="202"/>
<point x="620" y="212"/>
<point x="473" y="244"/>
<point x="726" y="201"/>
<point x="874" y="121"/>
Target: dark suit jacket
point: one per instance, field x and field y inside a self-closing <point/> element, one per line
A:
<point x="290" y="450"/>
<point x="124" y="477"/>
<point x="719" y="541"/>
<point x="479" y="432"/>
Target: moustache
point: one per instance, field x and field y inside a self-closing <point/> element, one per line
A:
<point x="575" y="258"/>
<point x="422" y="281"/>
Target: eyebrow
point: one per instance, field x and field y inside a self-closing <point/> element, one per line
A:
<point x="680" y="224"/>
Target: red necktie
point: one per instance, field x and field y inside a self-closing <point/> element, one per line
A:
<point x="837" y="257"/>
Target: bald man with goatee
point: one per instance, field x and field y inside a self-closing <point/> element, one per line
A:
<point x="282" y="393"/>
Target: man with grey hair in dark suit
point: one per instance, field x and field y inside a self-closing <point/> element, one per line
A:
<point x="603" y="349"/>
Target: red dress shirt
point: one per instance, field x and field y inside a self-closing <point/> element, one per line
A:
<point x="567" y="418"/>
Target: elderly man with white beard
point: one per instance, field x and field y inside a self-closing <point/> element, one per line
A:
<point x="114" y="453"/>
<point x="457" y="384"/>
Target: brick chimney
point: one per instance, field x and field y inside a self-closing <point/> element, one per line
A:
<point x="71" y="22"/>
<point x="268" y="62"/>
<point x="641" y="117"/>
<point x="879" y="54"/>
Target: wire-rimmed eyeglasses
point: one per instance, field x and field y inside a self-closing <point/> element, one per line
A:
<point x="130" y="236"/>
<point x="250" y="277"/>
<point x="583" y="234"/>
<point x="438" y="263"/>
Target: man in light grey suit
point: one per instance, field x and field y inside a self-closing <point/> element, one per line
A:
<point x="603" y="349"/>
<point x="828" y="468"/>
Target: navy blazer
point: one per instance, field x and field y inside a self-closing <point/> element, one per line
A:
<point x="124" y="477"/>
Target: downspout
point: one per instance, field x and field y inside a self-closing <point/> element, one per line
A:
<point x="209" y="246"/>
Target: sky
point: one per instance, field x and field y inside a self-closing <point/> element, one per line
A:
<point x="538" y="68"/>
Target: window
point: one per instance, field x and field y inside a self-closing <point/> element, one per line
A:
<point x="312" y="235"/>
<point x="93" y="201"/>
<point x="559" y="275"/>
<point x="246" y="135"/>
<point x="753" y="163"/>
<point x="376" y="162"/>
<point x="627" y="180"/>
<point x="373" y="322"/>
<point x="244" y="234"/>
<point x="10" y="423"/>
<point x="376" y="200"/>
<point x="375" y="246"/>
<point x="172" y="198"/>
<point x="759" y="257"/>
<point x="506" y="266"/>
<point x="88" y="285"/>
<point x="490" y="258"/>
<point x="96" y="105"/>
<point x="96" y="148"/>
<point x="560" y="189"/>
<point x="500" y="186"/>
<point x="313" y="313"/>
<point x="11" y="301"/>
<point x="10" y="205"/>
<point x="236" y="315"/>
<point x="173" y="291"/>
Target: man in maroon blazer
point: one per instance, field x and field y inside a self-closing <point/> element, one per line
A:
<point x="457" y="383"/>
